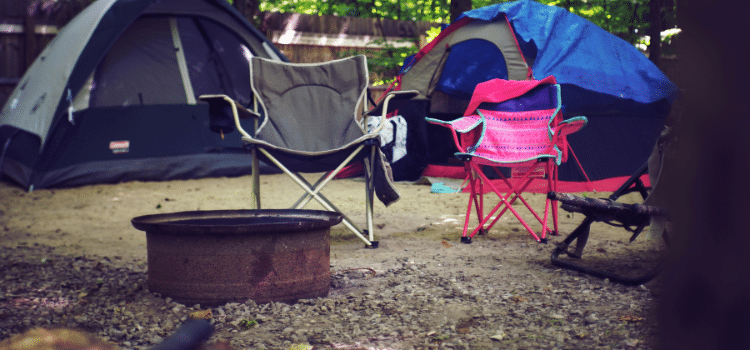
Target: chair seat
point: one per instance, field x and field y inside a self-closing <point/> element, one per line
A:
<point x="312" y="162"/>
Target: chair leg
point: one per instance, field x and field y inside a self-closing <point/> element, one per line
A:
<point x="555" y="209"/>
<point x="478" y="198"/>
<point x="307" y="197"/>
<point x="472" y="199"/>
<point x="516" y="195"/>
<point x="507" y="201"/>
<point x="256" y="179"/>
<point x="503" y="201"/>
<point x="328" y="205"/>
<point x="370" y="192"/>
<point x="315" y="193"/>
<point x="580" y="235"/>
<point x="516" y="190"/>
<point x="582" y="232"/>
<point x="550" y="205"/>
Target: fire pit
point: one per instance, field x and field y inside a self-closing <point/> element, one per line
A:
<point x="215" y="257"/>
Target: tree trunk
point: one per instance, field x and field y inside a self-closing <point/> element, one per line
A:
<point x="457" y="7"/>
<point x="704" y="302"/>
<point x="654" y="31"/>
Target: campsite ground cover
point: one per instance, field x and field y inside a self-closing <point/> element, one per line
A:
<point x="72" y="259"/>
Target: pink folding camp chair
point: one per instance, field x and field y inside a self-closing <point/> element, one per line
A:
<point x="516" y="125"/>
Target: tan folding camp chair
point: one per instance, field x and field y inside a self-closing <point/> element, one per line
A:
<point x="312" y="118"/>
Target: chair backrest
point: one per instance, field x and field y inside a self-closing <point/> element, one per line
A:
<point x="310" y="107"/>
<point x="516" y="126"/>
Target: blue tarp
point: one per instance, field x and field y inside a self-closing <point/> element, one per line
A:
<point x="586" y="60"/>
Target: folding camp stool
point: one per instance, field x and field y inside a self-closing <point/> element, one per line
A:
<point x="311" y="118"/>
<point x="517" y="125"/>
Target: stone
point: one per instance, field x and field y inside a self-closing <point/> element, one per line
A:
<point x="498" y="337"/>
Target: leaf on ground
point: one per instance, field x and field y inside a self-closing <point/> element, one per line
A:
<point x="200" y="315"/>
<point x="629" y="318"/>
<point x="446" y="244"/>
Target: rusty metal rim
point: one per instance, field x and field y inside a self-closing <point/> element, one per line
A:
<point x="216" y="222"/>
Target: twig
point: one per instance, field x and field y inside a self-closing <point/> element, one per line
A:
<point x="360" y="268"/>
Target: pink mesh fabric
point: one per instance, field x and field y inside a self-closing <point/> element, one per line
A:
<point x="515" y="137"/>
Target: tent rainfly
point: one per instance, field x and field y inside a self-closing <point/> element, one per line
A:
<point x="113" y="97"/>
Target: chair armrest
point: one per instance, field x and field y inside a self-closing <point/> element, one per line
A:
<point x="571" y="125"/>
<point x="222" y="106"/>
<point x="385" y="106"/>
<point x="224" y="100"/>
<point x="448" y="125"/>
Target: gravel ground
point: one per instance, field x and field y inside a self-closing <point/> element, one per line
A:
<point x="71" y="258"/>
<point x="422" y="296"/>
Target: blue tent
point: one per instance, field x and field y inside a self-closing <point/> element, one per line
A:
<point x="624" y="95"/>
<point x="580" y="53"/>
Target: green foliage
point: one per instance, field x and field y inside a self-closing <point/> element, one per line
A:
<point x="628" y="19"/>
<point x="302" y="346"/>
<point x="408" y="10"/>
<point x="384" y="62"/>
<point x="247" y="324"/>
<point x="432" y="33"/>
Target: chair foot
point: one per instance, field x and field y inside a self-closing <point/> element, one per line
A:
<point x="482" y="232"/>
<point x="543" y="240"/>
<point x="373" y="245"/>
<point x="466" y="240"/>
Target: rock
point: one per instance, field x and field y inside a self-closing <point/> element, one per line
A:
<point x="591" y="318"/>
<point x="498" y="337"/>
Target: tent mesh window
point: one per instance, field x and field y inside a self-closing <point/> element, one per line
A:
<point x="141" y="67"/>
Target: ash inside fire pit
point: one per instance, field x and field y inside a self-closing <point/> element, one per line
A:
<point x="215" y="257"/>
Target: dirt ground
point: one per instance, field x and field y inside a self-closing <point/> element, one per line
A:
<point x="95" y="220"/>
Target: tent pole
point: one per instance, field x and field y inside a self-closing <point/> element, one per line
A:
<point x="181" y="61"/>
